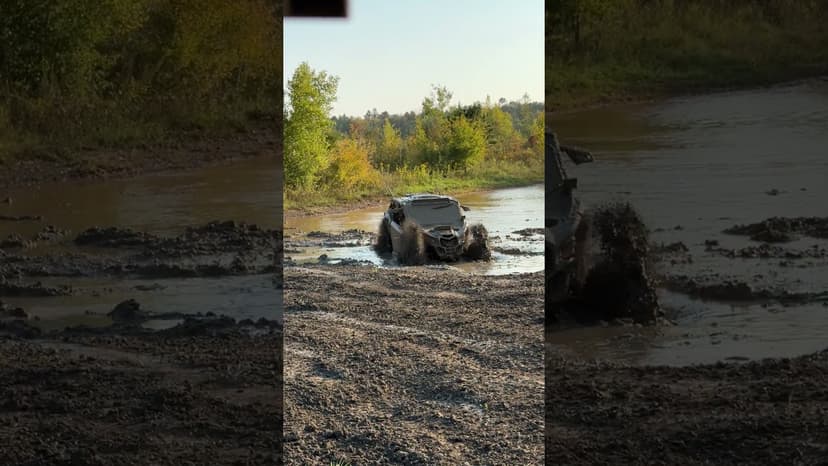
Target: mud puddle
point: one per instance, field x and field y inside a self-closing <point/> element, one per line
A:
<point x="732" y="183"/>
<point x="513" y="217"/>
<point x="70" y="253"/>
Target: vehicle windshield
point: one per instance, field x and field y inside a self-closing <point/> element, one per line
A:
<point x="437" y="212"/>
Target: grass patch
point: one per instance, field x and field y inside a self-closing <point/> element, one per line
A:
<point x="643" y="49"/>
<point x="487" y="175"/>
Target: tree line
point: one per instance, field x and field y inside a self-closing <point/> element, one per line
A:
<point x="601" y="48"/>
<point x="114" y="70"/>
<point x="354" y="152"/>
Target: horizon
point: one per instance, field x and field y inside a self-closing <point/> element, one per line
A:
<point x="459" y="43"/>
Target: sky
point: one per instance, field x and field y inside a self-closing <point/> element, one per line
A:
<point x="388" y="53"/>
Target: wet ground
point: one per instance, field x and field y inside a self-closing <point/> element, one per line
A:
<point x="200" y="241"/>
<point x="166" y="398"/>
<point x="700" y="391"/>
<point x="695" y="168"/>
<point x="140" y="320"/>
<point x="412" y="365"/>
<point x="513" y="218"/>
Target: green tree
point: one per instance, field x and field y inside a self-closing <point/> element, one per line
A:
<point x="390" y="147"/>
<point x="467" y="143"/>
<point x="500" y="131"/>
<point x="307" y="123"/>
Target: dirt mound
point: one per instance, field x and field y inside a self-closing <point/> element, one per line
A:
<point x="21" y="218"/>
<point x="128" y="311"/>
<point x="212" y="238"/>
<point x="34" y="289"/>
<point x="782" y="229"/>
<point x="714" y="287"/>
<point x="529" y="232"/>
<point x="114" y="237"/>
<point x="768" y="251"/>
<point x="211" y="250"/>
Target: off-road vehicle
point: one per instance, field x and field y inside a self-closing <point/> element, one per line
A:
<point x="567" y="234"/>
<point x="420" y="226"/>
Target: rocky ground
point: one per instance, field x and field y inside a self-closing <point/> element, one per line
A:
<point x="204" y="389"/>
<point x="758" y="412"/>
<point x="418" y="365"/>
<point x="767" y="412"/>
<point x="165" y="398"/>
<point x="214" y="249"/>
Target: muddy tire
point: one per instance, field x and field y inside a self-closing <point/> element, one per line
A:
<point x="383" y="244"/>
<point x="478" y="246"/>
<point x="413" y="250"/>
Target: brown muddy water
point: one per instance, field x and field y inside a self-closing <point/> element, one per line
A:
<point x="503" y="212"/>
<point x="162" y="204"/>
<point x="694" y="167"/>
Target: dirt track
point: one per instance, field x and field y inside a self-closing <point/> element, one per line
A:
<point x="412" y="366"/>
<point x="769" y="412"/>
<point x="140" y="400"/>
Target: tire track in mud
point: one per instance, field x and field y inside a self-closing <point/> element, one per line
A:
<point x="414" y="366"/>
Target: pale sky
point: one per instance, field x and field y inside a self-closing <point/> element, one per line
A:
<point x="388" y="53"/>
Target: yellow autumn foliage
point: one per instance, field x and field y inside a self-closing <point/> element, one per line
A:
<point x="350" y="168"/>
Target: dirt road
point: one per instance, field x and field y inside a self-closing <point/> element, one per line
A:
<point x="85" y="387"/>
<point x="768" y="412"/>
<point x="412" y="366"/>
<point x="154" y="399"/>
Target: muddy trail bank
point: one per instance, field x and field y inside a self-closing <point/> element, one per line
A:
<point x="60" y="274"/>
<point x="216" y="248"/>
<point x="763" y="412"/>
<point x="196" y="395"/>
<point x="186" y="153"/>
<point x="414" y="365"/>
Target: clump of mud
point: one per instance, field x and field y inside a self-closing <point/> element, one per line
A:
<point x="781" y="229"/>
<point x="619" y="285"/>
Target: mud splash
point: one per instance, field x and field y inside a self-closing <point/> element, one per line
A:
<point x="511" y="217"/>
<point x="618" y="284"/>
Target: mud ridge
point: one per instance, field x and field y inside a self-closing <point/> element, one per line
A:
<point x="782" y="229"/>
<point x="725" y="289"/>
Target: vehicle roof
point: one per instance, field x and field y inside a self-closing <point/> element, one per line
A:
<point x="412" y="198"/>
